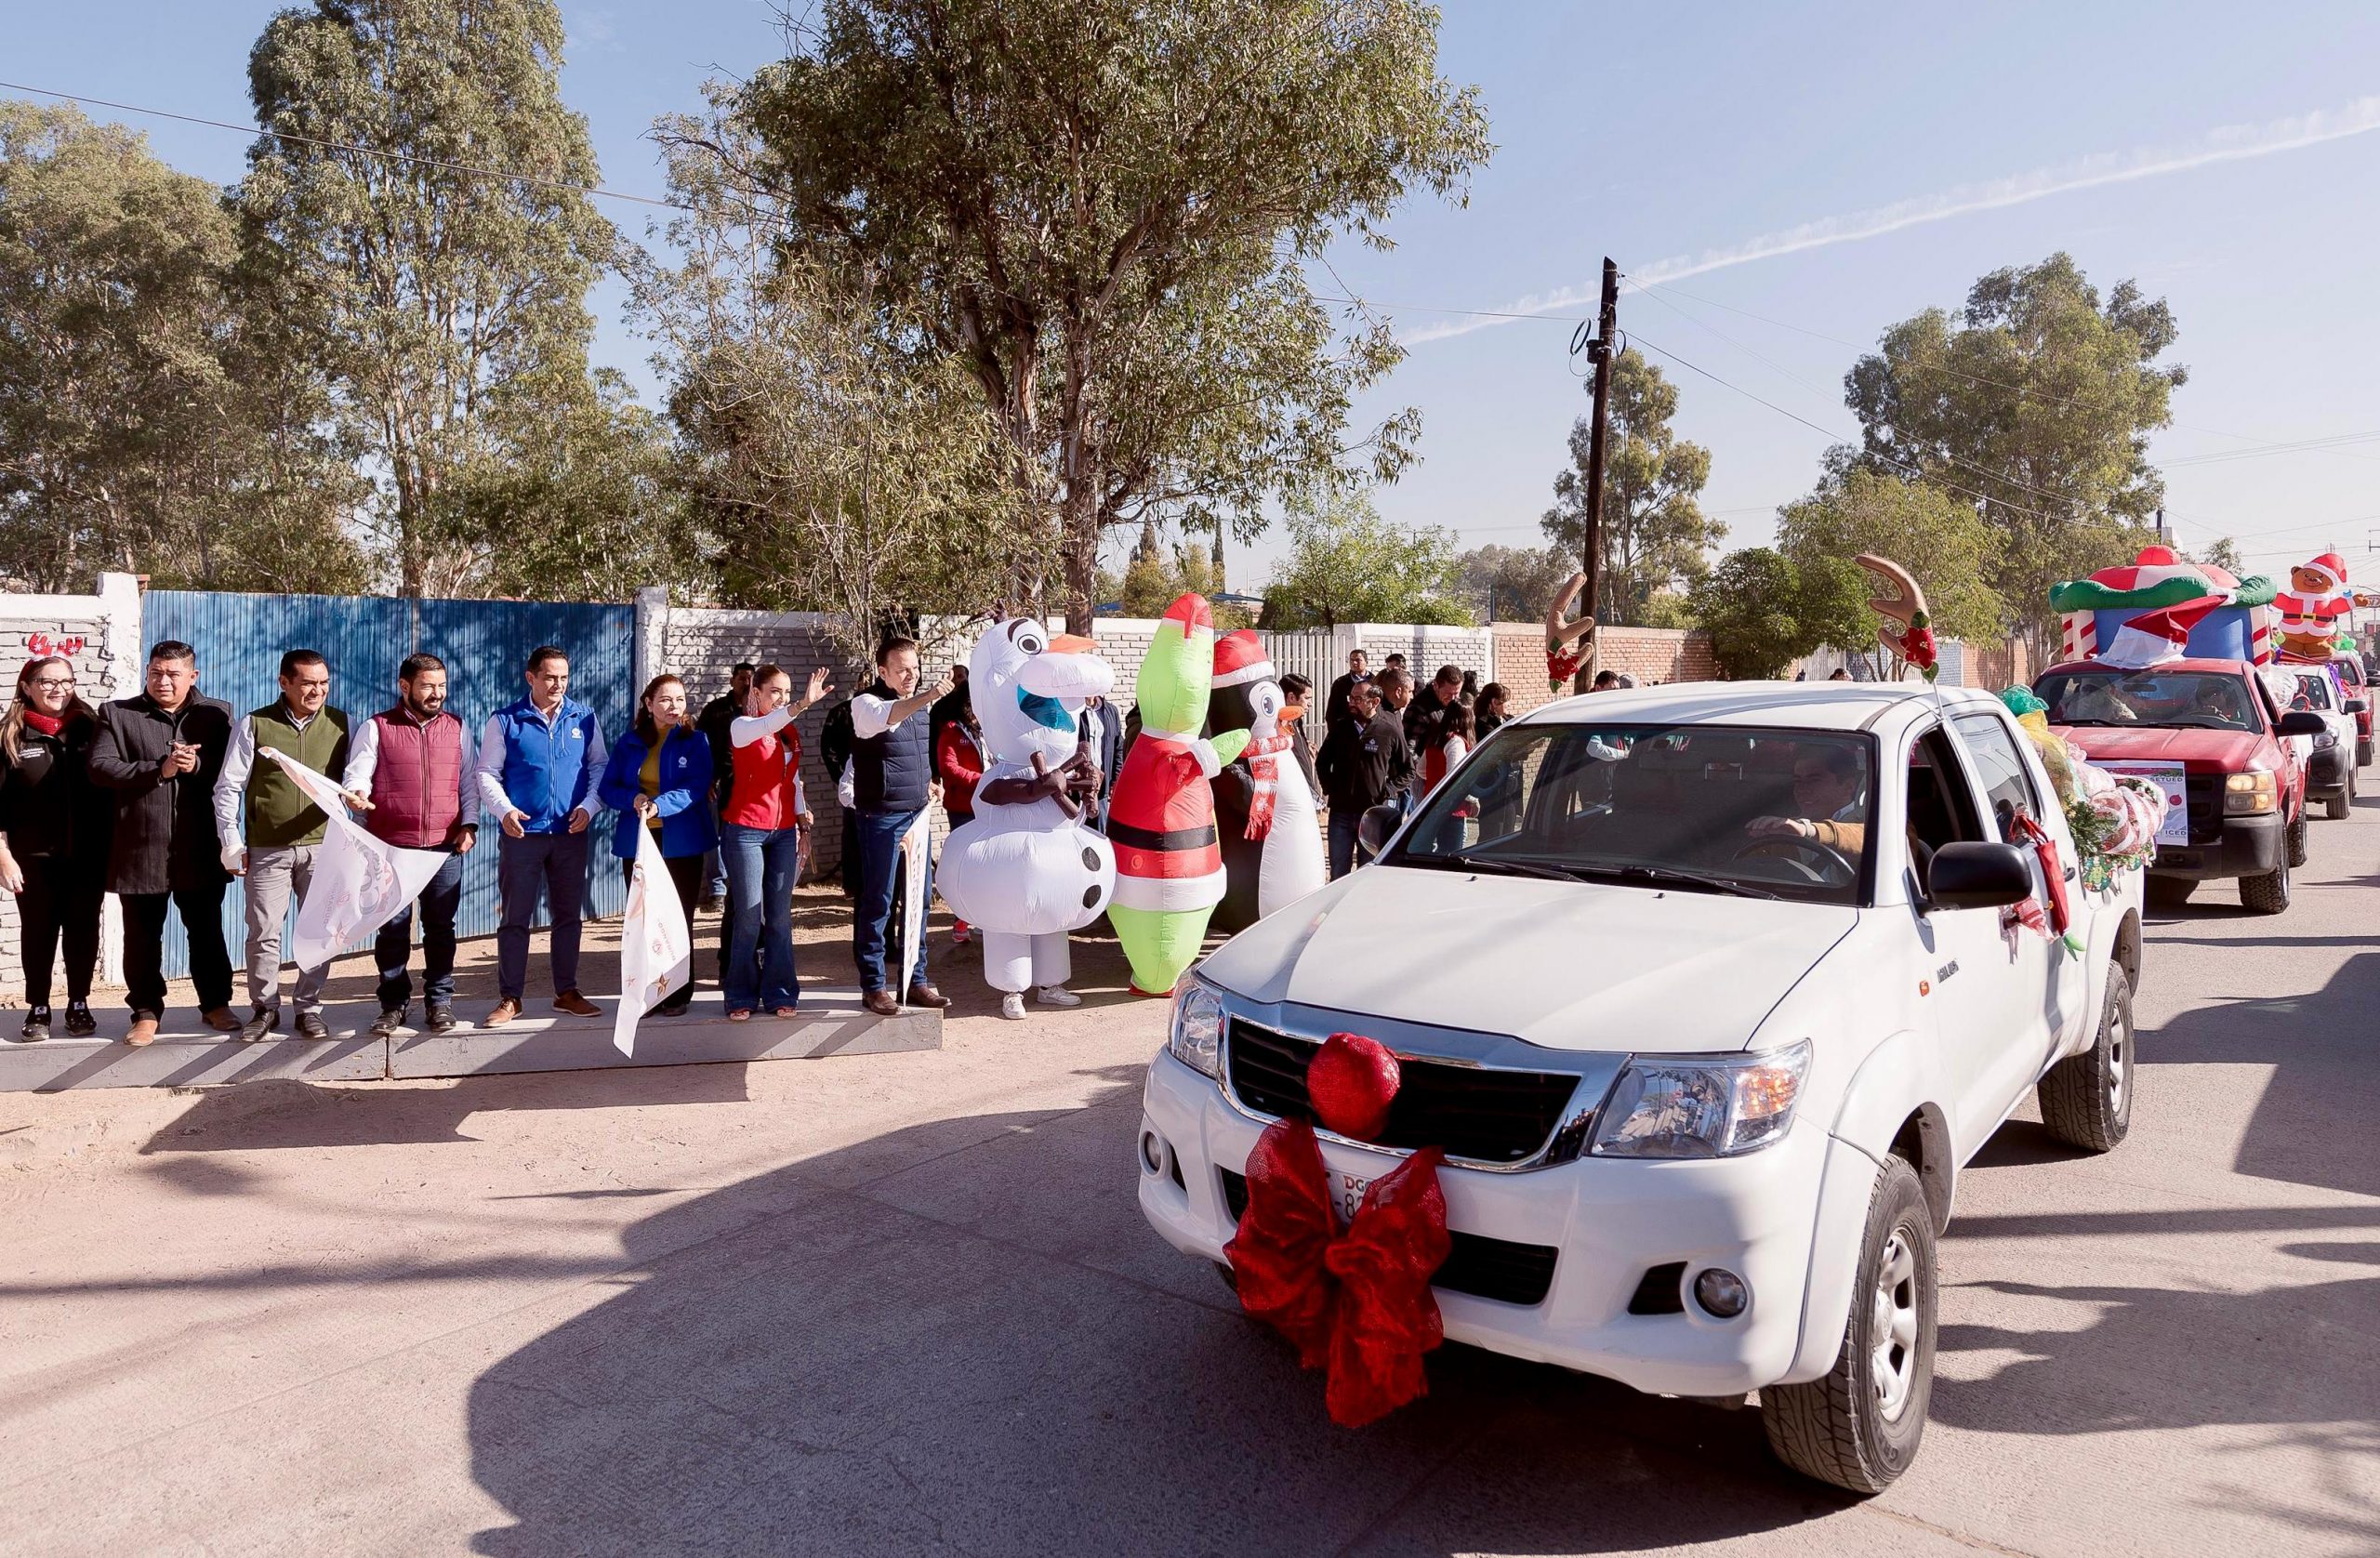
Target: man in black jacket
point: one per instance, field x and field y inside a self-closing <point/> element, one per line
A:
<point x="1334" y="711"/>
<point x="1363" y="762"/>
<point x="161" y="753"/>
<point x="1104" y="728"/>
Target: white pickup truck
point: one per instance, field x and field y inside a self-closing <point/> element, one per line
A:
<point x="1708" y="992"/>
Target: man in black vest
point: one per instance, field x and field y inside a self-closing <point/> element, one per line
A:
<point x="892" y="784"/>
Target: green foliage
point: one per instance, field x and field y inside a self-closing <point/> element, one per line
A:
<point x="1762" y="611"/>
<point x="149" y="422"/>
<point x="1515" y="584"/>
<point x="1101" y="208"/>
<point x="446" y="307"/>
<point x="1950" y="548"/>
<point x="829" y="466"/>
<point x="1654" y="532"/>
<point x="1348" y="564"/>
<point x="2040" y="399"/>
<point x="2223" y="554"/>
<point x="1156" y="575"/>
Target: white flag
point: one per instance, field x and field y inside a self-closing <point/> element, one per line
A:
<point x="360" y="883"/>
<point x="656" y="956"/>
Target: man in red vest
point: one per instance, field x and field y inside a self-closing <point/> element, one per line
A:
<point x="406" y="773"/>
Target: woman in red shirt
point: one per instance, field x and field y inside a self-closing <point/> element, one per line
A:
<point x="958" y="761"/>
<point x="761" y="830"/>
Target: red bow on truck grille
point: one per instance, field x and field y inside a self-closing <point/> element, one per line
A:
<point x="1357" y="1303"/>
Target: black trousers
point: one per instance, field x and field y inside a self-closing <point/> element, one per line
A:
<point x="61" y="903"/>
<point x="144" y="946"/>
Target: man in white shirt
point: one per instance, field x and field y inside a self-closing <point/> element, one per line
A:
<point x="893" y="782"/>
<point x="284" y="829"/>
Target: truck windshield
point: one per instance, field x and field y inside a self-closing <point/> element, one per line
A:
<point x="2196" y="700"/>
<point x="1763" y="813"/>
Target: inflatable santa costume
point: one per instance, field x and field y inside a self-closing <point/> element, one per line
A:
<point x="2314" y="608"/>
<point x="1271" y="826"/>
<point x="1026" y="870"/>
<point x="1161" y="818"/>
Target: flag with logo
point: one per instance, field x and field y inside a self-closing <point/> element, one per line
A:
<point x="657" y="954"/>
<point x="360" y="883"/>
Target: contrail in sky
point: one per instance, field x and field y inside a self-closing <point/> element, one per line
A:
<point x="2232" y="143"/>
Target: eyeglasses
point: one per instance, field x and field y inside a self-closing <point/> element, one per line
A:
<point x="54" y="684"/>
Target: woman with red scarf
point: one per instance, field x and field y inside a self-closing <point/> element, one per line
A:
<point x="55" y="825"/>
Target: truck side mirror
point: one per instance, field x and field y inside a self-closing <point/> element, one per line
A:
<point x="2356" y="705"/>
<point x="1376" y="826"/>
<point x="1977" y="877"/>
<point x="2301" y="721"/>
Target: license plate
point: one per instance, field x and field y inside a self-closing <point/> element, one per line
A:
<point x="1346" y="1195"/>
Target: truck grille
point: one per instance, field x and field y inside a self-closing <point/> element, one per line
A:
<point x="1485" y="1268"/>
<point x="2205" y="799"/>
<point x="1471" y="1111"/>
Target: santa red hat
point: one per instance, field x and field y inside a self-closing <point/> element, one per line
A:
<point x="1240" y="657"/>
<point x="2153" y="638"/>
<point x="2330" y="566"/>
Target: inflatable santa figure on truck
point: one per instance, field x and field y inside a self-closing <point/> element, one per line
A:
<point x="2314" y="608"/>
<point x="1161" y="820"/>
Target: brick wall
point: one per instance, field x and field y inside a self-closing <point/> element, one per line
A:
<point x="1425" y="648"/>
<point x="107" y="665"/>
<point x="1650" y="655"/>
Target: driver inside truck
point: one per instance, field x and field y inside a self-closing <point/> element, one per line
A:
<point x="1832" y="795"/>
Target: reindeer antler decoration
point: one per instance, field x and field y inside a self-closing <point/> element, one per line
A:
<point x="1562" y="661"/>
<point x="1909" y="632"/>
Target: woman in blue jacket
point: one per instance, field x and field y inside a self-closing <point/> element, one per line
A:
<point x="659" y="778"/>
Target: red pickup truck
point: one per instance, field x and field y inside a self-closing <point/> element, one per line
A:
<point x="2243" y="784"/>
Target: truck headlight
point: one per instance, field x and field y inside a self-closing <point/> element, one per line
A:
<point x="2249" y="794"/>
<point x="1196" y="1035"/>
<point x="1702" y="1106"/>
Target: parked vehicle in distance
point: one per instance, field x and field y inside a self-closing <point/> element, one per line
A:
<point x="1708" y="992"/>
<point x="2330" y="769"/>
<point x="2356" y="678"/>
<point x="2213" y="726"/>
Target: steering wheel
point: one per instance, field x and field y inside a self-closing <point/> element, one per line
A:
<point x="1822" y="865"/>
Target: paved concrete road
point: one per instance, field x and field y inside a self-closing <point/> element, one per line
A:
<point x="906" y="1305"/>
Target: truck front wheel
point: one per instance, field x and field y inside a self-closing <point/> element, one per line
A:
<point x="2086" y="1099"/>
<point x="1859" y="1427"/>
<point x="2295" y="838"/>
<point x="2267" y="894"/>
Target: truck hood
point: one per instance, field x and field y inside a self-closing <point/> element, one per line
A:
<point x="1569" y="964"/>
<point x="2199" y="751"/>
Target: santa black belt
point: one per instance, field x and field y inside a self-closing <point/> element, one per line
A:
<point x="1151" y="838"/>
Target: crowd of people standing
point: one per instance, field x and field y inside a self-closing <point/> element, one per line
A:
<point x="164" y="797"/>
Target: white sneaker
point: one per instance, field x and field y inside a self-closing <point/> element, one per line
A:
<point x="1012" y="1006"/>
<point x="1056" y="994"/>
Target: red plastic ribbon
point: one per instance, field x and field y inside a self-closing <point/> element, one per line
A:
<point x="2045" y="850"/>
<point x="1357" y="1303"/>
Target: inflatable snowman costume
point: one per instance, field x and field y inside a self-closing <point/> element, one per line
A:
<point x="1024" y="871"/>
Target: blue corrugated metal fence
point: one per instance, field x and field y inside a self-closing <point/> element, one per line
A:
<point x="240" y="640"/>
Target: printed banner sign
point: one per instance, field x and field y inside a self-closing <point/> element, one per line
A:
<point x="2166" y="775"/>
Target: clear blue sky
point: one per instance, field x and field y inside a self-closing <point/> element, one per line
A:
<point x="1658" y="136"/>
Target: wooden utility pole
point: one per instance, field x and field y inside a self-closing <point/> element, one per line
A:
<point x="1599" y="352"/>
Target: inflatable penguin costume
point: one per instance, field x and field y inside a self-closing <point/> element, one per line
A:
<point x="1025" y="871"/>
<point x="1271" y="826"/>
<point x="1161" y="819"/>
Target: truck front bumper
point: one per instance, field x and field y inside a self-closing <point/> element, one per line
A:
<point x="1611" y="1229"/>
<point x="2250" y="847"/>
<point x="2327" y="773"/>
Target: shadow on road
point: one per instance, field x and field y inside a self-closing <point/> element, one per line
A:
<point x="913" y="1345"/>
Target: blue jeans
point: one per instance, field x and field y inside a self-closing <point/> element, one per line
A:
<point x="393" y="947"/>
<point x="1343" y="840"/>
<point x="880" y="869"/>
<point x="760" y="866"/>
<point x="553" y="865"/>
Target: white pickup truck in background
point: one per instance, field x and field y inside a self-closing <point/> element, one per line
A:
<point x="1708" y="992"/>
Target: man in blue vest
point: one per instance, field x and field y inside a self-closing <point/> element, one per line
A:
<point x="892" y="783"/>
<point x="539" y="761"/>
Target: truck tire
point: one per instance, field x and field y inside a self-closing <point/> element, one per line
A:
<point x="2267" y="894"/>
<point x="2339" y="805"/>
<point x="2086" y="1099"/>
<point x="1859" y="1427"/>
<point x="2295" y="839"/>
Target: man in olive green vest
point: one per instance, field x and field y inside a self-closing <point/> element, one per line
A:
<point x="284" y="829"/>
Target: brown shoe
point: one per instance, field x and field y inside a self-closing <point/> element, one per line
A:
<point x="506" y="1010"/>
<point x="928" y="997"/>
<point x="577" y="1005"/>
<point x="881" y="1003"/>
<point x="222" y="1021"/>
<point x="143" y="1030"/>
